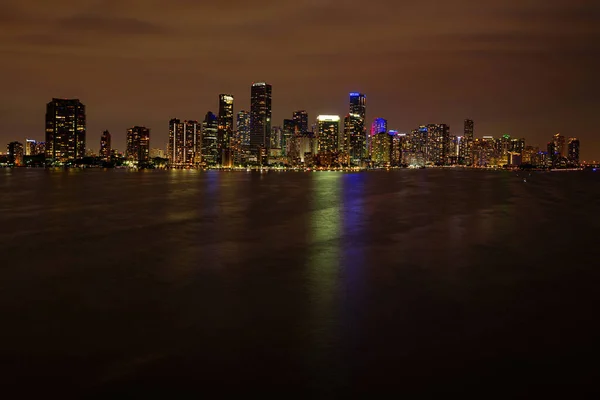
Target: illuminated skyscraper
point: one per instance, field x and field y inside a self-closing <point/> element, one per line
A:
<point x="300" y="119"/>
<point x="328" y="136"/>
<point x="276" y="137"/>
<point x="355" y="140"/>
<point x="381" y="150"/>
<point x="105" y="146"/>
<point x="559" y="145"/>
<point x="573" y="151"/>
<point x="65" y="131"/>
<point x="241" y="143"/>
<point x="210" y="129"/>
<point x="15" y="154"/>
<point x="176" y="146"/>
<point x="138" y="144"/>
<point x="30" y="147"/>
<point x="379" y="125"/>
<point x="243" y="127"/>
<point x="288" y="132"/>
<point x="438" y="143"/>
<point x="466" y="148"/>
<point x="225" y="133"/>
<point x="260" y="121"/>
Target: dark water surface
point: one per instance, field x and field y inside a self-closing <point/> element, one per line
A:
<point x="322" y="285"/>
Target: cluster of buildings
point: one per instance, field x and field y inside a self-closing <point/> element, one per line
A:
<point x="249" y="139"/>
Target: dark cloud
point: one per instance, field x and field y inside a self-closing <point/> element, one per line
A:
<point x="110" y="25"/>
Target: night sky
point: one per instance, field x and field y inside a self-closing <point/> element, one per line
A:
<point x="528" y="68"/>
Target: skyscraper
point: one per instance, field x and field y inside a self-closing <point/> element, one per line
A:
<point x="30" y="147"/>
<point x="438" y="143"/>
<point x="300" y="119"/>
<point x="559" y="145"/>
<point x="138" y="144"/>
<point x="328" y="136"/>
<point x="356" y="138"/>
<point x="210" y="148"/>
<point x="379" y="125"/>
<point x="243" y="128"/>
<point x="573" y="152"/>
<point x="466" y="149"/>
<point x="241" y="143"/>
<point x="105" y="146"/>
<point x="176" y="144"/>
<point x="260" y="121"/>
<point x="225" y="133"/>
<point x="288" y="132"/>
<point x="65" y="131"/>
<point x="184" y="142"/>
<point x="15" y="154"/>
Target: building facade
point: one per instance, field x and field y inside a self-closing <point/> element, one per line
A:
<point x="184" y="143"/>
<point x="138" y="144"/>
<point x="15" y="152"/>
<point x="65" y="131"/>
<point x="573" y="152"/>
<point x="225" y="132"/>
<point x="328" y="138"/>
<point x="105" y="146"/>
<point x="210" y="148"/>
<point x="260" y="122"/>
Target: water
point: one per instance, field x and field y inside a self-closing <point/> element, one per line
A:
<point x="318" y="285"/>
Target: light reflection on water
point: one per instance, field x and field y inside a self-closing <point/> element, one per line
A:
<point x="329" y="278"/>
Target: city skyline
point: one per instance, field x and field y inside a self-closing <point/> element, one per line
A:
<point x="502" y="64"/>
<point x="186" y="137"/>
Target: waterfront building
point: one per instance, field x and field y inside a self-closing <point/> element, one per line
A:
<point x="225" y="132"/>
<point x="210" y="149"/>
<point x="65" y="131"/>
<point x="105" y="146"/>
<point x="138" y="144"/>
<point x="260" y="122"/>
<point x="15" y="153"/>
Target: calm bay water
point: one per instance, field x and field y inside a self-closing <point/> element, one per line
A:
<point x="304" y="284"/>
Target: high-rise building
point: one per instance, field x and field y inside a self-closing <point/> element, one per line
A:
<point x="466" y="151"/>
<point x="300" y="119"/>
<point x="15" y="154"/>
<point x="40" y="148"/>
<point x="138" y="144"/>
<point x="184" y="142"/>
<point x="381" y="148"/>
<point x="210" y="148"/>
<point x="354" y="138"/>
<point x="176" y="146"/>
<point x="225" y="133"/>
<point x="288" y="133"/>
<point x="65" y="131"/>
<point x="559" y="145"/>
<point x="276" y="137"/>
<point x="357" y="137"/>
<point x="243" y="128"/>
<point x="438" y="143"/>
<point x="241" y="143"/>
<point x="379" y="125"/>
<point x="30" y="147"/>
<point x="260" y="121"/>
<point x="105" y="145"/>
<point x="573" y="151"/>
<point x="328" y="135"/>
